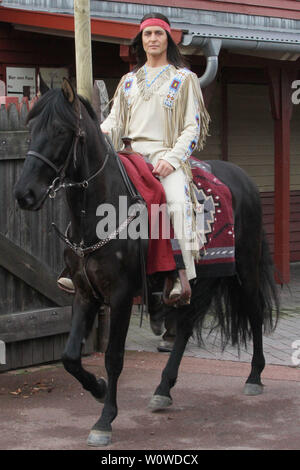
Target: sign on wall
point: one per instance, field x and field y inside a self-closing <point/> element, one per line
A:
<point x="21" y="81"/>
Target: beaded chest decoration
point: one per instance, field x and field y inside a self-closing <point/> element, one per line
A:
<point x="127" y="86"/>
<point x="175" y="87"/>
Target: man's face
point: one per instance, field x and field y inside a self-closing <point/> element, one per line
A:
<point x="155" y="41"/>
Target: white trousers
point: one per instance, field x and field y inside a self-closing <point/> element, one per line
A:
<point x="180" y="209"/>
<point x="179" y="206"/>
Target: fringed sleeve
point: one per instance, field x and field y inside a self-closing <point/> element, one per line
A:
<point x="117" y="121"/>
<point x="203" y="113"/>
<point x="186" y="129"/>
<point x="186" y="118"/>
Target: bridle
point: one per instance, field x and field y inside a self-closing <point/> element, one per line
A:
<point x="60" y="183"/>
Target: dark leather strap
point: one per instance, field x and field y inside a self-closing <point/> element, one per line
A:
<point x="45" y="160"/>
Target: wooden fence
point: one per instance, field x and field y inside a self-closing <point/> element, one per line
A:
<point x="34" y="314"/>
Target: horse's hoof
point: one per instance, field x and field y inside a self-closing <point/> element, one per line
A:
<point x="165" y="346"/>
<point x="100" y="380"/>
<point x="253" y="389"/>
<point x="99" y="438"/>
<point x="159" y="402"/>
<point x="157" y="326"/>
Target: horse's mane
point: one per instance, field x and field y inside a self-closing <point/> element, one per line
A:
<point x="53" y="105"/>
<point x="89" y="109"/>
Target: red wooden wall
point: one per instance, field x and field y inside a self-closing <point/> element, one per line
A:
<point x="268" y="216"/>
<point x="19" y="48"/>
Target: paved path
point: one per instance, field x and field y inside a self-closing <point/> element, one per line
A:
<point x="45" y="408"/>
<point x="279" y="347"/>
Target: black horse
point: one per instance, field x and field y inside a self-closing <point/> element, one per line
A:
<point x="68" y="150"/>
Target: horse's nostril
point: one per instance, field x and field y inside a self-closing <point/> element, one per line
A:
<point x="25" y="200"/>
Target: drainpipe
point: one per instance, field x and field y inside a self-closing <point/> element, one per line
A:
<point x="211" y="49"/>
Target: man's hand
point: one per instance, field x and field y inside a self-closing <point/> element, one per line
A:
<point x="163" y="168"/>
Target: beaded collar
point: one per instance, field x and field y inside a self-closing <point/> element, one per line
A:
<point x="147" y="88"/>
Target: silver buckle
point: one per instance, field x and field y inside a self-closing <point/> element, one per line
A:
<point x="53" y="189"/>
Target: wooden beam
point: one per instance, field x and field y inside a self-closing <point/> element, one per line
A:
<point x="208" y="92"/>
<point x="280" y="81"/>
<point x="35" y="324"/>
<point x="26" y="267"/>
<point x="229" y="59"/>
<point x="244" y="75"/>
<point x="224" y="121"/>
<point x="62" y="22"/>
<point x="83" y="49"/>
<point x="276" y="8"/>
<point x="127" y="57"/>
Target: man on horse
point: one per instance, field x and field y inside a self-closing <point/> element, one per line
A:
<point x="68" y="151"/>
<point x="159" y="107"/>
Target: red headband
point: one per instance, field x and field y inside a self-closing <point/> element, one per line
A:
<point x="155" y="22"/>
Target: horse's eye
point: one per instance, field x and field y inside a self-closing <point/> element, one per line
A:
<point x="59" y="131"/>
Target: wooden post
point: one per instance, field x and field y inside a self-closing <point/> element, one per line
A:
<point x="224" y="125"/>
<point x="280" y="85"/>
<point x="127" y="57"/>
<point x="83" y="48"/>
<point x="208" y="92"/>
<point x="84" y="79"/>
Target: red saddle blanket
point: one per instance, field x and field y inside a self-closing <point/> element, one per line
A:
<point x="217" y="257"/>
<point x="160" y="254"/>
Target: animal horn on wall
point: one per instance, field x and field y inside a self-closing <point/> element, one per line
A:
<point x="42" y="85"/>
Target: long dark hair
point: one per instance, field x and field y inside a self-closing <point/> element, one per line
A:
<point x="173" y="54"/>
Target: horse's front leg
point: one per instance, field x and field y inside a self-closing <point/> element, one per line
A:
<point x="83" y="316"/>
<point x="101" y="432"/>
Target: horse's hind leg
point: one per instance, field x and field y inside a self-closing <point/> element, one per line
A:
<point x="162" y="398"/>
<point x="83" y="316"/>
<point x="253" y="384"/>
<point x="266" y="304"/>
<point x="252" y="309"/>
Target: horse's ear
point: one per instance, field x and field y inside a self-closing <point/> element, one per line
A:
<point x="68" y="90"/>
<point x="43" y="87"/>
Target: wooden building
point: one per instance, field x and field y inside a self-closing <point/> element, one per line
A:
<point x="253" y="99"/>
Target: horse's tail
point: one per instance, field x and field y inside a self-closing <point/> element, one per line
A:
<point x="231" y="301"/>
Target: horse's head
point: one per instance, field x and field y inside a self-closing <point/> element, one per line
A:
<point x="52" y="125"/>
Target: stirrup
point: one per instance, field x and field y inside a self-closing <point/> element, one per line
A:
<point x="65" y="283"/>
<point x="177" y="293"/>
